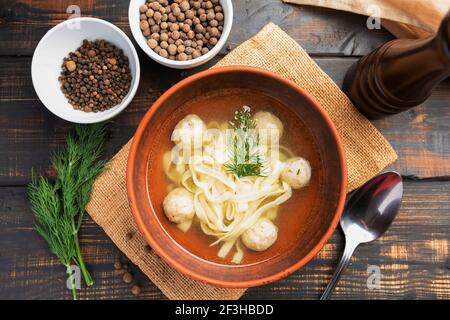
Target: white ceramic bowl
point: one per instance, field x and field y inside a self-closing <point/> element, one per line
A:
<point x="57" y="43"/>
<point x="133" y="19"/>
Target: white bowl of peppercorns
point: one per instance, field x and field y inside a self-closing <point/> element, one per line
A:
<point x="181" y="34"/>
<point x="85" y="70"/>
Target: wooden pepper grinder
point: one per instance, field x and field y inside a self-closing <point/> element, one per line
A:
<point x="400" y="74"/>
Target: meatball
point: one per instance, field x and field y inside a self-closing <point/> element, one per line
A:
<point x="179" y="205"/>
<point x="261" y="236"/>
<point x="296" y="173"/>
<point x="267" y="121"/>
<point x="190" y="131"/>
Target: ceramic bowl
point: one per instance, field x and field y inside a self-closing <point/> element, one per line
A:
<point x="133" y="19"/>
<point x="306" y="227"/>
<point x="56" y="44"/>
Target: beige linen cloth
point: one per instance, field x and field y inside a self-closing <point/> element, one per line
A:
<point x="403" y="18"/>
<point x="366" y="150"/>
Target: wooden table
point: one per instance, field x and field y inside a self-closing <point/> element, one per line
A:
<point x="413" y="256"/>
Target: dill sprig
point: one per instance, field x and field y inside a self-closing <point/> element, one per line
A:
<point x="55" y="228"/>
<point x="59" y="206"/>
<point x="246" y="159"/>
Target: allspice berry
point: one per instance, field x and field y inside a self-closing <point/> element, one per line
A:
<point x="144" y="24"/>
<point x="184" y="6"/>
<point x="189" y="51"/>
<point x="190" y="14"/>
<point x="71" y="66"/>
<point x="157" y="16"/>
<point x="127" y="277"/>
<point x="191" y="34"/>
<point x="199" y="28"/>
<point x="176" y="11"/>
<point x="186" y="28"/>
<point x="172" y="49"/>
<point x="214" y="23"/>
<point x="143" y="8"/>
<point x="155" y="5"/>
<point x="156" y="29"/>
<point x="164" y="44"/>
<point x="136" y="290"/>
<point x="175" y="35"/>
<point x="182" y="56"/>
<point x="214" y="32"/>
<point x="117" y="265"/>
<point x="152" y="43"/>
<point x="213" y="41"/>
<point x="164" y="37"/>
<point x="163" y="53"/>
<point x="155" y="36"/>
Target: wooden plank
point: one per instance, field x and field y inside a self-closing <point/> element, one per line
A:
<point x="29" y="271"/>
<point x="23" y="117"/>
<point x="413" y="257"/>
<point x="320" y="31"/>
<point x="28" y="132"/>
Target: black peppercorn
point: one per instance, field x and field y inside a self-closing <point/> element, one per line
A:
<point x="95" y="62"/>
<point x="129" y="235"/>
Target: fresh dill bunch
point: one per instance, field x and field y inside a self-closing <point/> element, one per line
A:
<point x="246" y="159"/>
<point x="77" y="166"/>
<point x="59" y="206"/>
<point x="51" y="224"/>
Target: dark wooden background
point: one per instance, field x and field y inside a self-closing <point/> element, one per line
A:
<point x="413" y="255"/>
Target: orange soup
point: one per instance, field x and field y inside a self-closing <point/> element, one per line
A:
<point x="292" y="215"/>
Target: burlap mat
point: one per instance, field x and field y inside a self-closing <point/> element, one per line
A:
<point x="366" y="149"/>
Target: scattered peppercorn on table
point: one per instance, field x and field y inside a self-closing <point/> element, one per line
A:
<point x="413" y="256"/>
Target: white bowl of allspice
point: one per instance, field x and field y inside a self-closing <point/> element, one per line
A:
<point x="181" y="34"/>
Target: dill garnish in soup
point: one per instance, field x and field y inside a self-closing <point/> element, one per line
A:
<point x="229" y="180"/>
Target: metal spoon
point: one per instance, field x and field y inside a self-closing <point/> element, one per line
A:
<point x="367" y="215"/>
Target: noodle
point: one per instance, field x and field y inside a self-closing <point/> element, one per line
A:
<point x="225" y="205"/>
